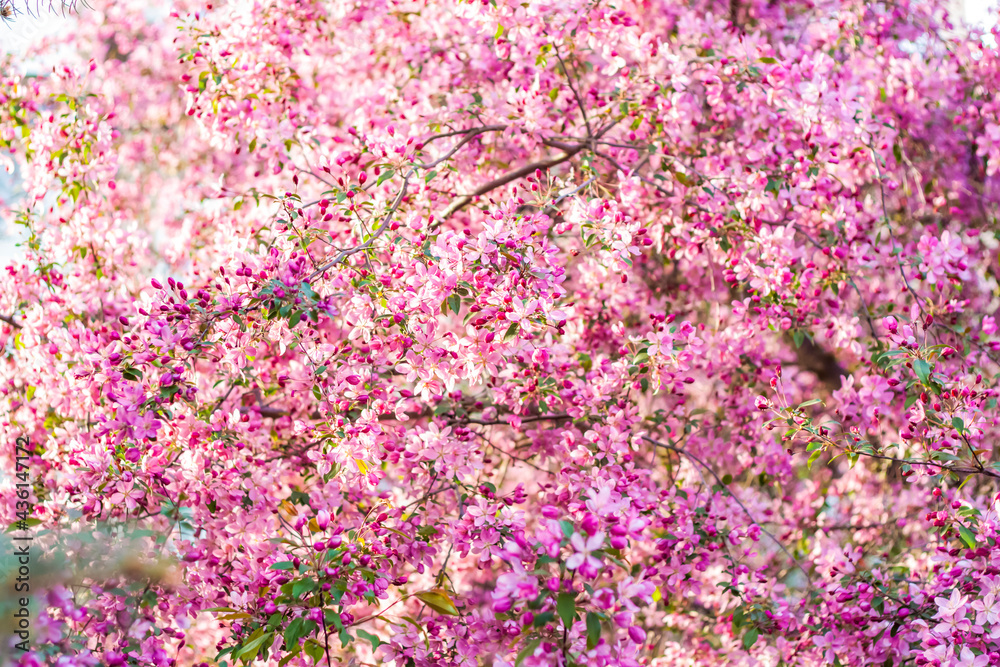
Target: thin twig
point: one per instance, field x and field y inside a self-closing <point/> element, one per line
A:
<point x="892" y="235"/>
<point x="469" y="135"/>
<point x="344" y="254"/>
<point x="576" y="94"/>
<point x="520" y="172"/>
<point x="569" y="150"/>
<point x="718" y="479"/>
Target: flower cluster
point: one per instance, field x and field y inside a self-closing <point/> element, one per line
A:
<point x="507" y="333"/>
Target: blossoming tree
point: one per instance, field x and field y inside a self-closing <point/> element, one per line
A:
<point x="569" y="332"/>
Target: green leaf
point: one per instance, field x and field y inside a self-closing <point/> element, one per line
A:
<point x="812" y="401"/>
<point x="302" y="629"/>
<point x="455" y="302"/>
<point x="543" y="618"/>
<point x="285" y="565"/>
<point x="922" y="369"/>
<point x="511" y="331"/>
<point x="384" y="176"/>
<point x="315" y="650"/>
<point x="593" y="629"/>
<point x="738" y="618"/>
<point x="303" y="586"/>
<point x="438" y="600"/>
<point x="499" y="32"/>
<point x="812" y="458"/>
<point x="528" y="649"/>
<point x="28" y="523"/>
<point x="958" y="423"/>
<point x="375" y="641"/>
<point x="294" y="319"/>
<point x="750" y="638"/>
<point x="968" y="536"/>
<point x="566" y="608"/>
<point x="288" y="656"/>
<point x="768" y="60"/>
<point x="252" y="648"/>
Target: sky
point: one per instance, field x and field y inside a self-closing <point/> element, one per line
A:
<point x="31" y="30"/>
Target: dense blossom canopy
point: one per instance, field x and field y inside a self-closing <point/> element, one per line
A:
<point x="557" y="332"/>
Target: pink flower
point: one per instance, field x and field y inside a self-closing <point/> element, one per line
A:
<point x="951" y="607"/>
<point x="582" y="558"/>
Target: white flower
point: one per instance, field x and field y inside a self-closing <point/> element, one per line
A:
<point x="969" y="659"/>
<point x="988" y="609"/>
<point x="583" y="551"/>
<point x="948" y="607"/>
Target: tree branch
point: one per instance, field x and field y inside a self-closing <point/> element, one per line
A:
<point x="344" y="254"/>
<point x="469" y="135"/>
<point x="520" y="172"/>
<point x="718" y="479"/>
<point x="10" y="320"/>
<point x="569" y="150"/>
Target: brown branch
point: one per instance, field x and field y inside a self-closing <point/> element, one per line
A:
<point x="520" y="172"/>
<point x="569" y="150"/>
<point x="499" y="422"/>
<point x="10" y="320"/>
<point x="470" y="134"/>
<point x="344" y="254"/>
